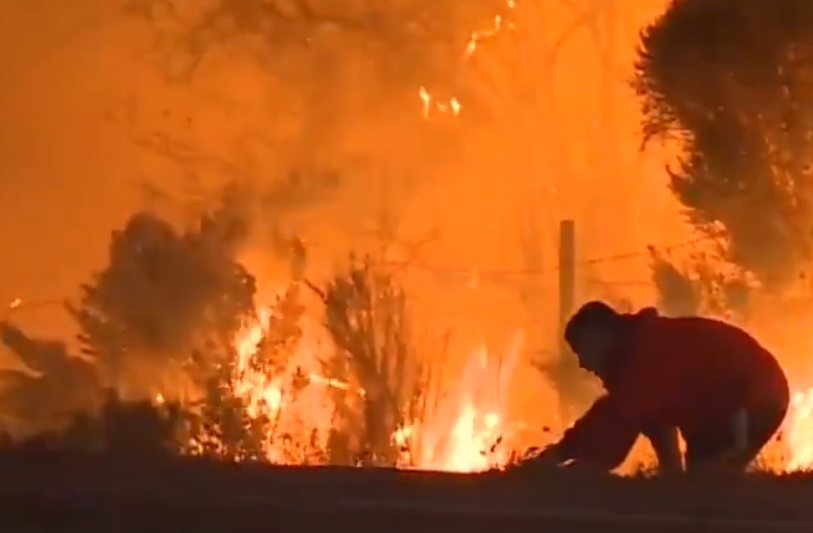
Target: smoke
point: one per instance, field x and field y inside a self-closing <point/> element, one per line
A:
<point x="93" y="109"/>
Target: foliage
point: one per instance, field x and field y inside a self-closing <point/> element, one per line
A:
<point x="699" y="285"/>
<point x="368" y="319"/>
<point x="125" y="429"/>
<point x="167" y="299"/>
<point x="55" y="386"/>
<point x="733" y="81"/>
<point x="168" y="306"/>
<point x="222" y="427"/>
<point x="228" y="423"/>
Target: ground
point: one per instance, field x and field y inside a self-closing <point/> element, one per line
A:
<point x="65" y="492"/>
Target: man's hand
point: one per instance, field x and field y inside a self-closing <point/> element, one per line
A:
<point x="548" y="457"/>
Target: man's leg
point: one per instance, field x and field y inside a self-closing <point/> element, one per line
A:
<point x="764" y="421"/>
<point x="707" y="447"/>
<point x="735" y="443"/>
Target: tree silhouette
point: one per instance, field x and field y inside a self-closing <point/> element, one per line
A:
<point x="170" y="302"/>
<point x="123" y="430"/>
<point x="698" y="285"/>
<point x="368" y="319"/>
<point x="58" y="385"/>
<point x="168" y="299"/>
<point x="732" y="81"/>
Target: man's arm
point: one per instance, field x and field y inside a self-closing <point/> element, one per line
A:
<point x="606" y="433"/>
<point x="603" y="437"/>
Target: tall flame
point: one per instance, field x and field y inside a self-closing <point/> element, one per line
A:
<point x="798" y="432"/>
<point x="272" y="396"/>
<point x="475" y="409"/>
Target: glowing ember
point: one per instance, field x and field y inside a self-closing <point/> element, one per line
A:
<point x="452" y="105"/>
<point x="430" y="104"/>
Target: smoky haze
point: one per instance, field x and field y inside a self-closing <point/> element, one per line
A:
<point x="100" y="116"/>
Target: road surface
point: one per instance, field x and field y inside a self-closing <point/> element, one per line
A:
<point x="89" y="497"/>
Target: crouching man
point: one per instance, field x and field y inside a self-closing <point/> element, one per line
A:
<point x="711" y="381"/>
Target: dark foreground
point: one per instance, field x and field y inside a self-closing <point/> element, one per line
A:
<point x="70" y="493"/>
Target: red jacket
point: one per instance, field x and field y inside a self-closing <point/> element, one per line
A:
<point x="691" y="373"/>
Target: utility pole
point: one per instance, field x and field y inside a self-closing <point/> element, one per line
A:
<point x="567" y="276"/>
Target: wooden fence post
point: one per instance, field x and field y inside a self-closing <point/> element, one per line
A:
<point x="567" y="276"/>
<point x="568" y="378"/>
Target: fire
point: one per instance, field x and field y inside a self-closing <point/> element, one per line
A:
<point x="430" y="104"/>
<point x="299" y="412"/>
<point x="463" y="433"/>
<point x="798" y="432"/>
<point x="263" y="393"/>
<point x="475" y="411"/>
<point x="453" y="105"/>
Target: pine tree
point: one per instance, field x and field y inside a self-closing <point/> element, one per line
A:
<point x="732" y="82"/>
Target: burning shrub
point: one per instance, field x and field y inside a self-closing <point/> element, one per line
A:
<point x="239" y="414"/>
<point x="173" y="316"/>
<point x="368" y="319"/>
<point x="222" y="425"/>
<point x="165" y="296"/>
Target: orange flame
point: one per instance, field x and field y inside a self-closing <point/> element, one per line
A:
<point x="475" y="410"/>
<point x="452" y="105"/>
<point x="798" y="432"/>
<point x="272" y="396"/>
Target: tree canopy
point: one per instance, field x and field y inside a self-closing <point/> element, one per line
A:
<point x="166" y="295"/>
<point x="732" y="80"/>
<point x="57" y="387"/>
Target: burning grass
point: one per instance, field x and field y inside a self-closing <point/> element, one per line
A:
<point x="204" y="363"/>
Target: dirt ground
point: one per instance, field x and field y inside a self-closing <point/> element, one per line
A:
<point x="65" y="493"/>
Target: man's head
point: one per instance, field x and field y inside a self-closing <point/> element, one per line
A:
<point x="593" y="334"/>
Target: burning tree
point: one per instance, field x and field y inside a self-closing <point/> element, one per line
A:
<point x="368" y="319"/>
<point x="239" y="415"/>
<point x="732" y="82"/>
<point x="158" y="320"/>
<point x="169" y="302"/>
<point x="172" y="316"/>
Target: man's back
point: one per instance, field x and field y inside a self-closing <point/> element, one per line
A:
<point x="694" y="370"/>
